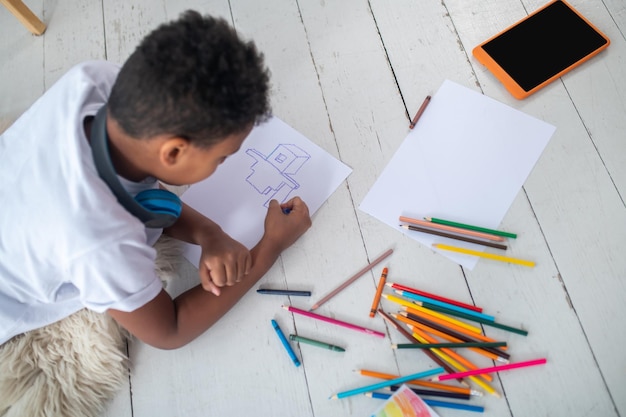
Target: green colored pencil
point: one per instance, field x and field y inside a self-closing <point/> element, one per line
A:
<point x="470" y="227"/>
<point x="472" y="318"/>
<point x="316" y="343"/>
<point x="447" y="345"/>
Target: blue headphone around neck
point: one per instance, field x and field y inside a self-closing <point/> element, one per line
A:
<point x="156" y="208"/>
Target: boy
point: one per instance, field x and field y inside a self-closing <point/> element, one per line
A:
<point x="181" y="104"/>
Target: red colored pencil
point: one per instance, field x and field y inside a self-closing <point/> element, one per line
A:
<point x="434" y="296"/>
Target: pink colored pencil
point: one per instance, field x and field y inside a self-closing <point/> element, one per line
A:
<point x="489" y="370"/>
<point x="333" y="321"/>
<point x="453" y="229"/>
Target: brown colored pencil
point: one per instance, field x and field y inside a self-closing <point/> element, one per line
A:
<point x="452" y="236"/>
<point x="351" y="279"/>
<point x="411" y="339"/>
<point x="419" y="112"/>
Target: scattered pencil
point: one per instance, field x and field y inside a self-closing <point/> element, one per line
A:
<point x="491" y="369"/>
<point x="397" y="286"/>
<point x="379" y="291"/>
<point x="452" y="229"/>
<point x="283" y="292"/>
<point x="317" y="343"/>
<point x="419" y="112"/>
<point x="453" y="236"/>
<point x="484" y="255"/>
<point x="443" y="307"/>
<point x="334" y="321"/>
<point x="285" y="343"/>
<point x="351" y="279"/>
<point x="387" y="383"/>
<point x="446" y="345"/>
<point x="470" y="227"/>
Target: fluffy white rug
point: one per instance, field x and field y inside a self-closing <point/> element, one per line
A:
<point x="75" y="366"/>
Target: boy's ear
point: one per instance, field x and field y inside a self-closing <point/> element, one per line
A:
<point x="172" y="150"/>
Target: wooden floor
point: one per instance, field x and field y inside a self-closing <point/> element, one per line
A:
<point x="347" y="74"/>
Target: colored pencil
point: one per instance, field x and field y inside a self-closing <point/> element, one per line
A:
<point x="429" y="384"/>
<point x="397" y="286"/>
<point x="317" y="343"/>
<point x="473" y="378"/>
<point x="419" y="112"/>
<point x="470" y="227"/>
<point x="446" y="345"/>
<point x="378" y="395"/>
<point x="284" y="292"/>
<point x="452" y="229"/>
<point x="461" y="362"/>
<point x="491" y="256"/>
<point x="452" y="236"/>
<point x="492" y="369"/>
<point x="433" y="393"/>
<point x="379" y="291"/>
<point x="411" y="339"/>
<point x="457" y="406"/>
<point x="285" y="343"/>
<point x="452" y="336"/>
<point x="486" y="322"/>
<point x="387" y="383"/>
<point x="443" y="317"/>
<point x="334" y="321"/>
<point x="443" y="307"/>
<point x="431" y="403"/>
<point x="351" y="279"/>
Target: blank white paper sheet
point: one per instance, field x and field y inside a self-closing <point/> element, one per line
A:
<point x="274" y="162"/>
<point x="465" y="161"/>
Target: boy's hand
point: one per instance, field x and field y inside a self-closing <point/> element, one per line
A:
<point x="224" y="261"/>
<point x="285" y="223"/>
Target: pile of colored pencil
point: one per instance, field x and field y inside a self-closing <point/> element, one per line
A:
<point x="436" y="325"/>
<point x="465" y="233"/>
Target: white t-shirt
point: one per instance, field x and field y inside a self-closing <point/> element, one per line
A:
<point x="65" y="241"/>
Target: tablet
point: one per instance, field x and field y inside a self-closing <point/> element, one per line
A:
<point x="540" y="48"/>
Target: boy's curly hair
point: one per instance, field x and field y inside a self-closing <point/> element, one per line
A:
<point x="193" y="77"/>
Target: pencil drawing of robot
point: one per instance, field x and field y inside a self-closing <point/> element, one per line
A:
<point x="273" y="175"/>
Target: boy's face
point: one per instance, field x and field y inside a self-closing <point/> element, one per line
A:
<point x="199" y="163"/>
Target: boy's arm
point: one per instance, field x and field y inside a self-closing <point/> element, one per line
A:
<point x="224" y="261"/>
<point x="168" y="324"/>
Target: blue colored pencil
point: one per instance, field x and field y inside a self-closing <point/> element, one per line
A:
<point x="441" y="304"/>
<point x="286" y="344"/>
<point x="433" y="403"/>
<point x="387" y="383"/>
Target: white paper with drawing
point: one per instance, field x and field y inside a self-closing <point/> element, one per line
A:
<point x="465" y="160"/>
<point x="274" y="162"/>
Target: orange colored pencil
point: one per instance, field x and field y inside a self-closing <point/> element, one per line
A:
<point x="379" y="291"/>
<point x="460" y="367"/>
<point x="440" y="316"/>
<point x="440" y="386"/>
<point x="452" y="354"/>
<point x="449" y="338"/>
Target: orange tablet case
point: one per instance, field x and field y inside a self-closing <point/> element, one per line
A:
<point x="599" y="41"/>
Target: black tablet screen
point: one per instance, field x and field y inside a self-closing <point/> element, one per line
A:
<point x="543" y="45"/>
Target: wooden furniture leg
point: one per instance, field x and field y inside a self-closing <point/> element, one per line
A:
<point x="23" y="13"/>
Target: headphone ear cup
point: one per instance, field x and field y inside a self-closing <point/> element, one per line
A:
<point x="160" y="201"/>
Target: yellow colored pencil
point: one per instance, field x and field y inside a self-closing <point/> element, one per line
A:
<point x="457" y="365"/>
<point x="440" y="316"/>
<point x="483" y="254"/>
<point x="451" y="353"/>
